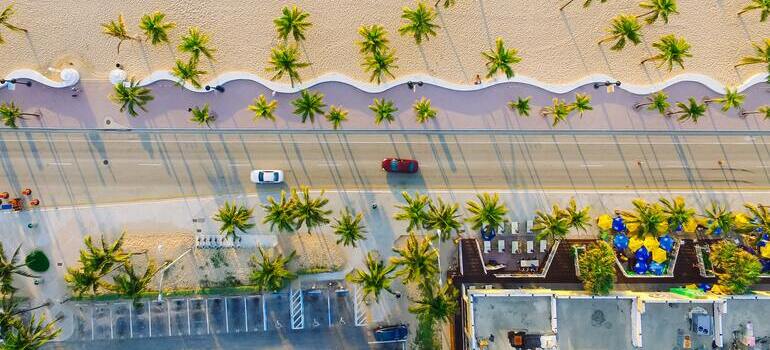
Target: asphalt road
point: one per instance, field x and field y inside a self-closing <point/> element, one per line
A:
<point x="69" y="167"/>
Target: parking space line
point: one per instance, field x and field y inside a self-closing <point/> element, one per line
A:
<point x="168" y="314"/>
<point x="264" y="313"/>
<point x="329" y="307"/>
<point x="245" y="313"/>
<point x="189" y="327"/>
<point x="149" y="316"/>
<point x="130" y="320"/>
<point x="92" y="323"/>
<point x="227" y="322"/>
<point x="110" y="309"/>
<point x="208" y="327"/>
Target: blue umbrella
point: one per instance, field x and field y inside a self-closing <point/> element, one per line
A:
<point x="620" y="242"/>
<point x="618" y="225"/>
<point x="488" y="234"/>
<point x="761" y="243"/>
<point x="765" y="265"/>
<point x="642" y="254"/>
<point x="640" y="267"/>
<point x="705" y="286"/>
<point x="666" y="243"/>
<point x="656" y="268"/>
<point x="718" y="231"/>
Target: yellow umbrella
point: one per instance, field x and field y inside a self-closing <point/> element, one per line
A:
<point x="650" y="243"/>
<point x="635" y="243"/>
<point x="659" y="255"/>
<point x="604" y="222"/>
<point x="690" y="225"/>
<point x="765" y="251"/>
<point x="741" y="220"/>
<point x="632" y="226"/>
<point x="662" y="227"/>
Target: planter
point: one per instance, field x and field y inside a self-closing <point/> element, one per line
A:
<point x="669" y="264"/>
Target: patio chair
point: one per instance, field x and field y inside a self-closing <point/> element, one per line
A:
<point x="543" y="245"/>
<point x="514" y="247"/>
<point x="487" y="247"/>
<point x="514" y="227"/>
<point x="500" y="246"/>
<point x="530" y="224"/>
<point x="530" y="247"/>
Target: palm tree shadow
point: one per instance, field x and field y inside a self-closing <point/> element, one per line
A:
<point x="34" y="50"/>
<point x="452" y="45"/>
<point x="606" y="60"/>
<point x="145" y="57"/>
<point x="574" y="41"/>
<point x="309" y="60"/>
<point x="485" y="23"/>
<point x="425" y="59"/>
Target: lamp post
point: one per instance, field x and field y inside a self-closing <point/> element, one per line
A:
<point x="162" y="271"/>
<point x="15" y="81"/>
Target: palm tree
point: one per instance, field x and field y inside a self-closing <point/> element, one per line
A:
<point x="559" y="111"/>
<point x="447" y="3"/>
<point x="551" y="225"/>
<point x="154" y="27"/>
<point x="201" y="116"/>
<point x="624" y="28"/>
<point x="423" y="110"/>
<point x="582" y="103"/>
<point x="271" y="272"/>
<point x="349" y="227"/>
<point x="292" y="21"/>
<point x="234" y="217"/>
<point x="11" y="113"/>
<point x="196" y="43"/>
<point x="414" y="210"/>
<point x="672" y="50"/>
<point x="263" y="109"/>
<point x="374" y="39"/>
<point x="657" y="102"/>
<point x="10" y="267"/>
<point x="760" y="218"/>
<point x="658" y="8"/>
<point x="82" y="280"/>
<point x="336" y="116"/>
<point x="187" y="72"/>
<point x="436" y="303"/>
<point x="597" y="268"/>
<point x="117" y="29"/>
<point x="577" y="218"/>
<point x="379" y="64"/>
<point x="443" y="218"/>
<point x="521" y="106"/>
<point x="130" y="284"/>
<point x="285" y="60"/>
<point x="31" y="334"/>
<point x="417" y="261"/>
<point x="309" y="211"/>
<point x="279" y="214"/>
<point x="762" y="55"/>
<point x="7" y="13"/>
<point x="308" y="104"/>
<point x="376" y="278"/>
<point x="131" y="96"/>
<point x="487" y="213"/>
<point x="677" y="212"/>
<point x="731" y="99"/>
<point x="501" y="59"/>
<point x="762" y="5"/>
<point x="720" y="218"/>
<point x="688" y="111"/>
<point x="383" y="110"/>
<point x="103" y="258"/>
<point x="649" y="217"/>
<point x="419" y="22"/>
<point x="762" y="110"/>
<point x="585" y="4"/>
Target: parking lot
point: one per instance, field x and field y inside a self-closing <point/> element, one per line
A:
<point x="213" y="315"/>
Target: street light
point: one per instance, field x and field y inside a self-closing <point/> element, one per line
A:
<point x="219" y="88"/>
<point x="15" y="81"/>
<point x="163" y="269"/>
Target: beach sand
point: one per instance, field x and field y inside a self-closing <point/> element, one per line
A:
<point x="556" y="47"/>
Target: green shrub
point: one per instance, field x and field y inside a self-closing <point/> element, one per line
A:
<point x="37" y="261"/>
<point x="597" y="268"/>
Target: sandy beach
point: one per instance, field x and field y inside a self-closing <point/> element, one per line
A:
<point x="555" y="46"/>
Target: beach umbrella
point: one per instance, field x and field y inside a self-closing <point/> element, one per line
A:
<point x="642" y="254"/>
<point x="650" y="242"/>
<point x="620" y="242"/>
<point x="659" y="255"/>
<point x="765" y="265"/>
<point x="741" y="220"/>
<point x="640" y="267"/>
<point x="666" y="242"/>
<point x="691" y="225"/>
<point x="704" y="286"/>
<point x="618" y="225"/>
<point x="765" y="251"/>
<point x="635" y="243"/>
<point x="761" y="243"/>
<point x="656" y="268"/>
<point x="632" y="227"/>
<point x="117" y="76"/>
<point x="604" y="222"/>
<point x="487" y="234"/>
<point x="717" y="231"/>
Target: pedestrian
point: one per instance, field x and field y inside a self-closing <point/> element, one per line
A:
<point x="478" y="80"/>
<point x="27" y="192"/>
<point x="75" y="91"/>
<point x="35" y="202"/>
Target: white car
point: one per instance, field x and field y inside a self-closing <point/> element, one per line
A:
<point x="266" y="176"/>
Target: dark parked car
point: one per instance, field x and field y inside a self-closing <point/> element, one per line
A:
<point x="397" y="165"/>
<point x="391" y="333"/>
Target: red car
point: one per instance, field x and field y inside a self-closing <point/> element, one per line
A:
<point x="396" y="165"/>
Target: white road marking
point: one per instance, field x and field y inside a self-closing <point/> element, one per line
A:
<point x="591" y="165"/>
<point x="149" y="164"/>
<point x="239" y="164"/>
<point x="189" y="327"/>
<point x="130" y="320"/>
<point x="264" y="313"/>
<point x="245" y="313"/>
<point x="59" y="163"/>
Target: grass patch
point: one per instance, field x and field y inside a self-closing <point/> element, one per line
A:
<point x="177" y="293"/>
<point x="318" y="269"/>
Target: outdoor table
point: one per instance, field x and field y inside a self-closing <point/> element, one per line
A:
<point x="530" y="263"/>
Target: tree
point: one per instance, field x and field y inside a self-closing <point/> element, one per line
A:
<point x="760" y="219"/>
<point x="155" y="28"/>
<point x="117" y="29"/>
<point x="349" y="227"/>
<point x="196" y="43"/>
<point x="103" y="258"/>
<point x="271" y="272"/>
<point x="720" y="219"/>
<point x="597" y="268"/>
<point x="383" y="110"/>
<point x="234" y="217"/>
<point x="762" y="5"/>
<point x="577" y="218"/>
<point x="676" y="211"/>
<point x="7" y="13"/>
<point x="648" y="217"/>
<point x="447" y="3"/>
<point x="761" y="110"/>
<point x="131" y="96"/>
<point x="336" y="115"/>
<point x="132" y="285"/>
<point x="263" y="109"/>
<point x="188" y="72"/>
<point x="379" y="64"/>
<point x="83" y="280"/>
<point x="671" y="50"/>
<point x="658" y="9"/>
<point x="201" y="116"/>
<point x="373" y="39"/>
<point x="656" y="102"/>
<point x="11" y="113"/>
<point x="417" y="261"/>
<point x="688" y="111"/>
<point x="279" y="214"/>
<point x="308" y="210"/>
<point x="585" y="4"/>
<point x="560" y="110"/>
<point x="762" y="55"/>
<point x="292" y="22"/>
<point x="414" y="210"/>
<point x="436" y="303"/>
<point x="500" y="59"/>
<point x="521" y="106"/>
<point x="582" y="103"/>
<point x="552" y="225"/>
<point x="731" y="99"/>
<point x="284" y="60"/>
<point x="624" y="28"/>
<point x="423" y="110"/>
<point x="10" y="267"/>
<point x="419" y="22"/>
<point x="31" y="334"/>
<point x="375" y="278"/>
<point x="443" y="218"/>
<point x="736" y="269"/>
<point x="308" y="104"/>
<point x="487" y="213"/>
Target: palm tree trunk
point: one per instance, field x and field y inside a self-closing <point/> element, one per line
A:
<point x="46" y="304"/>
<point x="640" y="105"/>
<point x="32" y="114"/>
<point x="565" y="5"/>
<point x="645" y="14"/>
<point x="611" y="37"/>
<point x="744" y="11"/>
<point x="743" y="64"/>
<point x="648" y="59"/>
